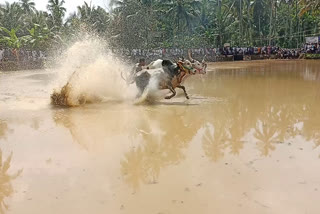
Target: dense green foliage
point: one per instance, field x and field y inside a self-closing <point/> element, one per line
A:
<point x="163" y="23"/>
<point x="312" y="56"/>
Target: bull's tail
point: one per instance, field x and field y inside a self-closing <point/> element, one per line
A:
<point x="129" y="80"/>
<point x="167" y="63"/>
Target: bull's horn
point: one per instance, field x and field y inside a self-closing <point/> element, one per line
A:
<point x="203" y="60"/>
<point x="189" y="55"/>
<point x="122" y="76"/>
<point x="128" y="81"/>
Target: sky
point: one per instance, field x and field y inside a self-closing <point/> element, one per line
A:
<point x="70" y="5"/>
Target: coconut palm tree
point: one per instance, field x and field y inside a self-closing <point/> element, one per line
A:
<point x="206" y="13"/>
<point x="223" y="21"/>
<point x="27" y="5"/>
<point x="12" y="12"/>
<point x="40" y="18"/>
<point x="261" y="21"/>
<point x="127" y="24"/>
<point x="57" y="11"/>
<point x="97" y="18"/>
<point x="85" y="11"/>
<point x="185" y="14"/>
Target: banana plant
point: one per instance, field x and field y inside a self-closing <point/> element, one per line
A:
<point x="309" y="5"/>
<point x="12" y="41"/>
<point x="39" y="37"/>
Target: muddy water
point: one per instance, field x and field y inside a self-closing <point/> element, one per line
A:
<point x="246" y="142"/>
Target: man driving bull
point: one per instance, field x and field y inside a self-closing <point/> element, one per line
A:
<point x="139" y="66"/>
<point x="143" y="79"/>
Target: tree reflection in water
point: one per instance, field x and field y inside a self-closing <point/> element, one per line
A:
<point x="223" y="129"/>
<point x="157" y="149"/>
<point x="3" y="129"/>
<point x="311" y="124"/>
<point x="214" y="141"/>
<point x="237" y="126"/>
<point x="266" y="135"/>
<point x="6" y="188"/>
<point x="132" y="168"/>
<point x="259" y="114"/>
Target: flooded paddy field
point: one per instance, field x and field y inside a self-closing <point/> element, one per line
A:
<point x="246" y="142"/>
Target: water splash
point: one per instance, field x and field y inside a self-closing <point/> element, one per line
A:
<point x="151" y="93"/>
<point x="89" y="73"/>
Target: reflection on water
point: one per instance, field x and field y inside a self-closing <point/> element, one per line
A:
<point x="3" y="129"/>
<point x="262" y="107"/>
<point x="244" y="123"/>
<point x="159" y="143"/>
<point x="35" y="123"/>
<point x="6" y="188"/>
<point x="214" y="142"/>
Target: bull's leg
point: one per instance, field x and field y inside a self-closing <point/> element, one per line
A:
<point x="142" y="82"/>
<point x="184" y="90"/>
<point x="140" y="90"/>
<point x="172" y="90"/>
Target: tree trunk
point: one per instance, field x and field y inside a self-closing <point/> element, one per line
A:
<point x="260" y="30"/>
<point x="297" y="23"/>
<point x="249" y="25"/>
<point x="270" y="27"/>
<point x="240" y="23"/>
<point x="219" y="24"/>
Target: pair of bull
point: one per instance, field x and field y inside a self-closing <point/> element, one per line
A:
<point x="168" y="75"/>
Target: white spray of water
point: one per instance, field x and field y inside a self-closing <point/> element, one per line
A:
<point x="92" y="74"/>
<point x="152" y="93"/>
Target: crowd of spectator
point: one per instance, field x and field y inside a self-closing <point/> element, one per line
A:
<point x="282" y="53"/>
<point x="313" y="48"/>
<point x="22" y="55"/>
<point x="213" y="54"/>
<point x="218" y="53"/>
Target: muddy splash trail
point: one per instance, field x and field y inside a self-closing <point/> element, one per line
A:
<point x="89" y="73"/>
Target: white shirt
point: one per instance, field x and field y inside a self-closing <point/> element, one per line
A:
<point x="1" y="54"/>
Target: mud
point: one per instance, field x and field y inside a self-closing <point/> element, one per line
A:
<point x="246" y="142"/>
